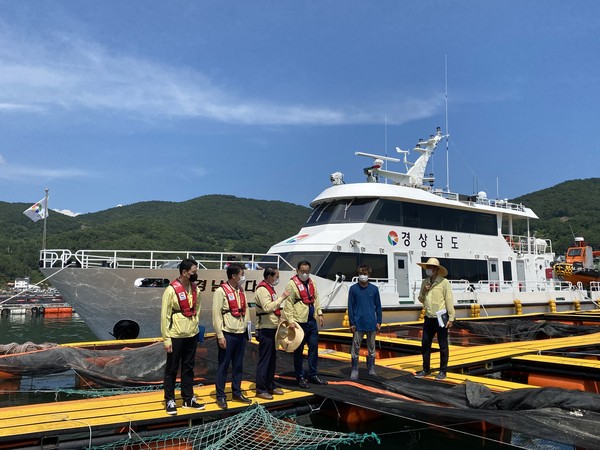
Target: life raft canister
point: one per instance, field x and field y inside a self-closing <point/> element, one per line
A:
<point x="234" y="309"/>
<point x="308" y="298"/>
<point x="269" y="288"/>
<point x="186" y="309"/>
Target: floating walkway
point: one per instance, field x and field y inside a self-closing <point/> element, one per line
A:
<point x="45" y="424"/>
<point x="567" y="362"/>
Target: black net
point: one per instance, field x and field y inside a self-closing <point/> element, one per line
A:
<point x="566" y="416"/>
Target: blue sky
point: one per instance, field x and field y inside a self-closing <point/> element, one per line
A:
<point x="117" y="102"/>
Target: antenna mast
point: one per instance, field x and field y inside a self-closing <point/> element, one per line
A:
<point x="385" y="141"/>
<point x="447" y="131"/>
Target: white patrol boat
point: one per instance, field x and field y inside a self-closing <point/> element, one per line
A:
<point x="391" y="226"/>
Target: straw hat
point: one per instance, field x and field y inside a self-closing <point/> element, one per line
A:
<point x="434" y="262"/>
<point x="288" y="339"/>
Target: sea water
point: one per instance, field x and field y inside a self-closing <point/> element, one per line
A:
<point x="395" y="433"/>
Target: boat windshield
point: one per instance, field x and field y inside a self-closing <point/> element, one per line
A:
<point x="342" y="211"/>
<point x="404" y="214"/>
<point x="574" y="252"/>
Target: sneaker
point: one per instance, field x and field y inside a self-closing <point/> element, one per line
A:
<point x="276" y="391"/>
<point x="440" y="376"/>
<point x="422" y="374"/>
<point x="194" y="404"/>
<point x="171" y="408"/>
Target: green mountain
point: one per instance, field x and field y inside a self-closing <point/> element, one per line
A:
<point x="210" y="223"/>
<point x="567" y="209"/>
<point x="232" y="224"/>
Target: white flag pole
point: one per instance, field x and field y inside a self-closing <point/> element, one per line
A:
<point x="45" y="217"/>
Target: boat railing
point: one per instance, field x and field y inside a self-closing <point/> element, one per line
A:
<point x="515" y="286"/>
<point x="460" y="285"/>
<point x="55" y="258"/>
<point x="385" y="285"/>
<point x="476" y="200"/>
<point x="524" y="245"/>
<point x="136" y="259"/>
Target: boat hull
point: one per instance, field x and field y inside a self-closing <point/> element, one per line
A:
<point x="104" y="296"/>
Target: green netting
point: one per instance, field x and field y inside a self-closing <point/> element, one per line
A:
<point x="109" y="392"/>
<point x="252" y="429"/>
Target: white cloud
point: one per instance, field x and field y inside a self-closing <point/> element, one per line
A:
<point x="13" y="107"/>
<point x="21" y="173"/>
<point x="66" y="73"/>
<point x="66" y="212"/>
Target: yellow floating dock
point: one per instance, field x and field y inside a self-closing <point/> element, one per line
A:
<point x="115" y="415"/>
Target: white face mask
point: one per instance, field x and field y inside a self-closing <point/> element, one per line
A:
<point x="242" y="279"/>
<point x="429" y="272"/>
<point x="275" y="282"/>
<point x="303" y="276"/>
<point x="363" y="278"/>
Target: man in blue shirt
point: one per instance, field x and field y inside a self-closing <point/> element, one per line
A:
<point x="364" y="313"/>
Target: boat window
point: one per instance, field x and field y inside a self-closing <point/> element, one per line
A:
<point x="574" y="252"/>
<point x="341" y="211"/>
<point x="405" y="214"/>
<point x="387" y="213"/>
<point x="464" y="269"/>
<point x="347" y="263"/>
<point x="293" y="258"/>
<point x="507" y="270"/>
<point x="322" y="213"/>
<point x="353" y="210"/>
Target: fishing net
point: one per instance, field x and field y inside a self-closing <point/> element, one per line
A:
<point x="255" y="428"/>
<point x="112" y="367"/>
<point x="515" y="330"/>
<point x="569" y="417"/>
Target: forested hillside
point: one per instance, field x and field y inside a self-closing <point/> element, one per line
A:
<point x="227" y="223"/>
<point x="209" y="223"/>
<point x="572" y="207"/>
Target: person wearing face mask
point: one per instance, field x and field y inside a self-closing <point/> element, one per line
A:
<point x="179" y="320"/>
<point x="229" y="321"/>
<point x="436" y="296"/>
<point x="302" y="310"/>
<point x="364" y="314"/>
<point x="268" y="312"/>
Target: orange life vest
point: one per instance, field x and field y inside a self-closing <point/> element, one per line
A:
<point x="232" y="300"/>
<point x="308" y="298"/>
<point x="271" y="291"/>
<point x="186" y="309"/>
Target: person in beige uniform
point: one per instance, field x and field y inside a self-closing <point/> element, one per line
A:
<point x="436" y="296"/>
<point x="179" y="319"/>
<point x="268" y="315"/>
<point x="229" y="321"/>
<point x="302" y="310"/>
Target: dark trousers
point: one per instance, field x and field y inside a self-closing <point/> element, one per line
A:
<point x="184" y="353"/>
<point x="234" y="354"/>
<point x="267" y="358"/>
<point x="311" y="337"/>
<point x="431" y="327"/>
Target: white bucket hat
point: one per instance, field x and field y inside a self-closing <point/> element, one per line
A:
<point x="434" y="262"/>
<point x="289" y="339"/>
